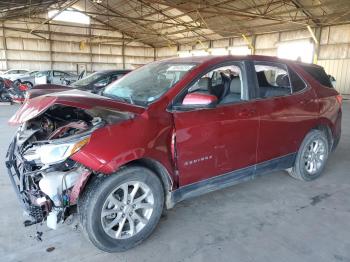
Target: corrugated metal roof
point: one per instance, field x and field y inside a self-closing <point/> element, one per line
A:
<point x="173" y="22"/>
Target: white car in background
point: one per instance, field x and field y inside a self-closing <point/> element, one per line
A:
<point x="12" y="74"/>
<point x="47" y="77"/>
<point x="20" y="77"/>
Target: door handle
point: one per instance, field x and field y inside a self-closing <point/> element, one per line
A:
<point x="246" y="112"/>
<point x="305" y="102"/>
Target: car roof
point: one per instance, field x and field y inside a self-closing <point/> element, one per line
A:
<point x="114" y="71"/>
<point x="216" y="59"/>
<point x="18" y="69"/>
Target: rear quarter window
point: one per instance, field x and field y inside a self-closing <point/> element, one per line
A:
<point x="319" y="75"/>
<point x="297" y="83"/>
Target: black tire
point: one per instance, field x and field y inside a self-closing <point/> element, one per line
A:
<point x="5" y="96"/>
<point x="94" y="196"/>
<point x="298" y="171"/>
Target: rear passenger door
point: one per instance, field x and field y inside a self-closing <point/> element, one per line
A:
<point x="287" y="110"/>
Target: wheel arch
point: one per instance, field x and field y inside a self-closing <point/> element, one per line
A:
<point x="327" y="130"/>
<point x="161" y="172"/>
<point x="157" y="168"/>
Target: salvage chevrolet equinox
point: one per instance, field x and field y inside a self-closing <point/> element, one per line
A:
<point x="168" y="131"/>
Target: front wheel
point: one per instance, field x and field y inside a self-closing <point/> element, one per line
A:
<point x="118" y="212"/>
<point x="311" y="157"/>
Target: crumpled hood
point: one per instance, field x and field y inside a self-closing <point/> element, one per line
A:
<point x="45" y="89"/>
<point x="50" y="86"/>
<point x="74" y="98"/>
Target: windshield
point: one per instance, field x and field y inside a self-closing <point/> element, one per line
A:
<point x="87" y="80"/>
<point x="148" y="83"/>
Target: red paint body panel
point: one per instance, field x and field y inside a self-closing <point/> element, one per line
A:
<point x="207" y="142"/>
<point x="284" y="122"/>
<point x="115" y="145"/>
<point x="211" y="142"/>
<point x="40" y="90"/>
<point x="75" y="98"/>
<point x="79" y="185"/>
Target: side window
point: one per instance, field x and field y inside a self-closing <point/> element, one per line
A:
<point x="58" y="73"/>
<point x="103" y="81"/>
<point x="42" y="73"/>
<point x="225" y="83"/>
<point x="297" y="83"/>
<point x="116" y="77"/>
<point x="273" y="80"/>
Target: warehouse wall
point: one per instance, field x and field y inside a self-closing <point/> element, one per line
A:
<point x="333" y="54"/>
<point x="65" y="47"/>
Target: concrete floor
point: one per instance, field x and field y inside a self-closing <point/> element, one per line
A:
<point x="273" y="218"/>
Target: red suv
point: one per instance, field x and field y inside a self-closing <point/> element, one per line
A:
<point x="171" y="130"/>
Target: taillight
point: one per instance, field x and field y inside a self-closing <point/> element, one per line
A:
<point x="339" y="99"/>
<point x="23" y="87"/>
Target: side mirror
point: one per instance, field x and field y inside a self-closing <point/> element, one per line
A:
<point x="100" y="84"/>
<point x="197" y="100"/>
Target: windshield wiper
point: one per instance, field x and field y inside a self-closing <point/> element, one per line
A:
<point x="131" y="101"/>
<point x="124" y="99"/>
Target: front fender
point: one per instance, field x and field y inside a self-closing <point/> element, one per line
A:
<point x="108" y="166"/>
<point x="115" y="145"/>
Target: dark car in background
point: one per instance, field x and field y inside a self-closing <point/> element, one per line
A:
<point x="92" y="83"/>
<point x="98" y="80"/>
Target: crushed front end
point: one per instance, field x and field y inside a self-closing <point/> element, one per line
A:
<point x="46" y="180"/>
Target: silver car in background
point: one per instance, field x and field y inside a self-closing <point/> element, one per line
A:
<point x="47" y="77"/>
<point x="13" y="74"/>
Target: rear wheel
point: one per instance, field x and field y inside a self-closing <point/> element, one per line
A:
<point x="311" y="157"/>
<point x="120" y="211"/>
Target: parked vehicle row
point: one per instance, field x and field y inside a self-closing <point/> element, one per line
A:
<point x="45" y="77"/>
<point x="37" y="83"/>
<point x="168" y="131"/>
<point x="92" y="83"/>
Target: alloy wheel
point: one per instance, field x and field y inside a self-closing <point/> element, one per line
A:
<point x="315" y="156"/>
<point x="127" y="210"/>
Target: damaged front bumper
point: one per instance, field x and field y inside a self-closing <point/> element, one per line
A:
<point x="40" y="160"/>
<point x="49" y="193"/>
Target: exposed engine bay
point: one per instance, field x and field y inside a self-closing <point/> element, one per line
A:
<point x="39" y="165"/>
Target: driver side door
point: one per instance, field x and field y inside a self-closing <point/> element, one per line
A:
<point x="218" y="140"/>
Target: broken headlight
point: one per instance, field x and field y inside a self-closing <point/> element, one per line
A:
<point x="55" y="153"/>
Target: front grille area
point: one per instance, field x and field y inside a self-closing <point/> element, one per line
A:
<point x="37" y="213"/>
<point x="25" y="187"/>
